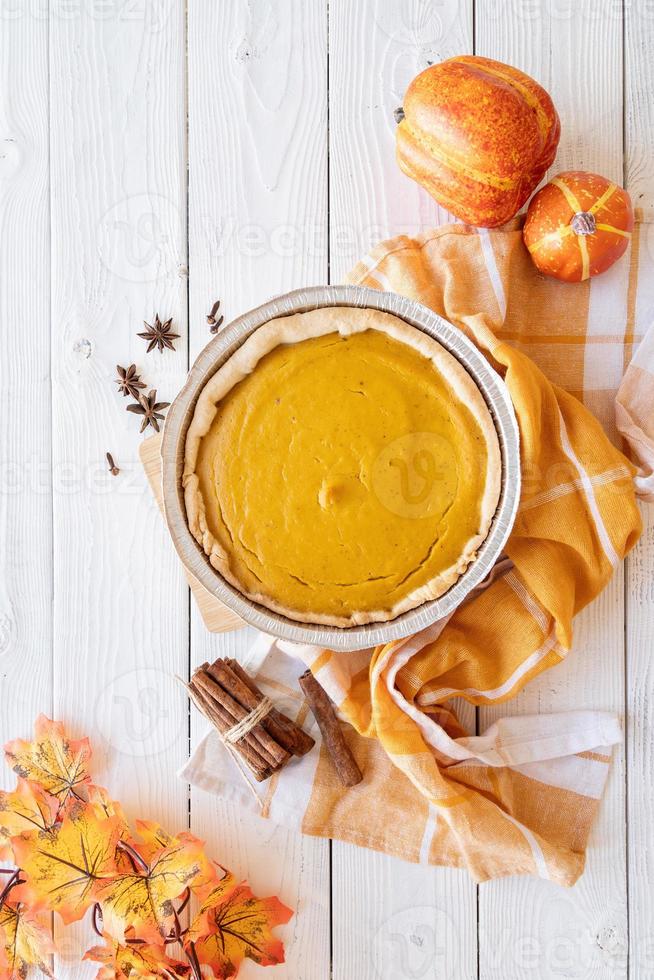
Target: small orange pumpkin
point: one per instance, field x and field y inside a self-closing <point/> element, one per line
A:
<point x="578" y="225"/>
<point x="478" y="135"/>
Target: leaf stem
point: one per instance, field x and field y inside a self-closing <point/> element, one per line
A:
<point x="137" y="861"/>
<point x="13" y="881"/>
<point x="97" y="910"/>
<point x="185" y="901"/>
<point x="192" y="957"/>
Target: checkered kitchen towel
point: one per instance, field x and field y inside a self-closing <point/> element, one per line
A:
<point x="519" y="799"/>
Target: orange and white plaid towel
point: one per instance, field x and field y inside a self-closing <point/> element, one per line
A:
<point x="519" y="799"/>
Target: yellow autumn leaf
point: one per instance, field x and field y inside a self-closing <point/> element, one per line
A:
<point x="28" y="807"/>
<point x="104" y="806"/>
<point x="233" y="924"/>
<point x="153" y="839"/>
<point x="56" y="762"/>
<point x="64" y="869"/>
<point x="211" y="895"/>
<point x="143" y="898"/>
<point x="25" y="941"/>
<point x="138" y="960"/>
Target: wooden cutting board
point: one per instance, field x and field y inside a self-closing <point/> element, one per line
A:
<point x="217" y="617"/>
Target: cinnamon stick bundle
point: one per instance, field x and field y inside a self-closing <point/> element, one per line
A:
<point x="221" y="720"/>
<point x="263" y="737"/>
<point x="219" y="691"/>
<point x="329" y="725"/>
<point x="287" y="732"/>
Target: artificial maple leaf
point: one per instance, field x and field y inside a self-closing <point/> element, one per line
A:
<point x="153" y="839"/>
<point x="64" y="869"/>
<point x="25" y="941"/>
<point x="138" y="960"/>
<point x="28" y="807"/>
<point x="233" y="924"/>
<point x="104" y="806"/>
<point x="143" y="899"/>
<point x="211" y="895"/>
<point x="53" y="760"/>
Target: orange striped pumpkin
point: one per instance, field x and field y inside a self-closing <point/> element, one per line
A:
<point x="478" y="135"/>
<point x="578" y="225"/>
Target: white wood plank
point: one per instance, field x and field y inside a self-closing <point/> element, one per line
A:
<point x="639" y="107"/>
<point x="257" y="154"/>
<point x="639" y="591"/>
<point x="640" y="746"/>
<point x="375" y="51"/>
<point x="258" y="227"/>
<point x="118" y="254"/>
<point x="25" y="481"/>
<point x="577" y="55"/>
<point x="391" y="920"/>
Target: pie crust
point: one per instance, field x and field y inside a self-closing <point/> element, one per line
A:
<point x="305" y="483"/>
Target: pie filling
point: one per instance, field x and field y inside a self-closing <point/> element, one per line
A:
<point x="342" y="476"/>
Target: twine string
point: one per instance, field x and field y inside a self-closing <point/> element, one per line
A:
<point x="241" y="728"/>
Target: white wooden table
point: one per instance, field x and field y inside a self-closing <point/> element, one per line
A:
<point x="154" y="157"/>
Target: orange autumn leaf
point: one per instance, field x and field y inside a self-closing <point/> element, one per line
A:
<point x="153" y="835"/>
<point x="56" y="762"/>
<point x="64" y="869"/>
<point x="28" y="807"/>
<point x="104" y="806"/>
<point x="211" y="895"/>
<point x="138" y="960"/>
<point x="153" y="839"/>
<point x="25" y="941"/>
<point x="233" y="924"/>
<point x="143" y="898"/>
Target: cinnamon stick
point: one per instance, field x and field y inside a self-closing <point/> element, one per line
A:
<point x="222" y="721"/>
<point x="345" y="763"/>
<point x="274" y="754"/>
<point x="284" y="731"/>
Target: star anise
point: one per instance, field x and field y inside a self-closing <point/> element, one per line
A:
<point x="128" y="381"/>
<point x="159" y="334"/>
<point x="150" y="409"/>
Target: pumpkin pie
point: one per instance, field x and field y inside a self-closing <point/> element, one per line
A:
<point x="341" y="467"/>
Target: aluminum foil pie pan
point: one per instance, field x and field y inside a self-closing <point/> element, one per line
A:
<point x="222" y="347"/>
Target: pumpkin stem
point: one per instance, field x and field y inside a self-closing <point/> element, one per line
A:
<point x="583" y="223"/>
<point x="398" y="114"/>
